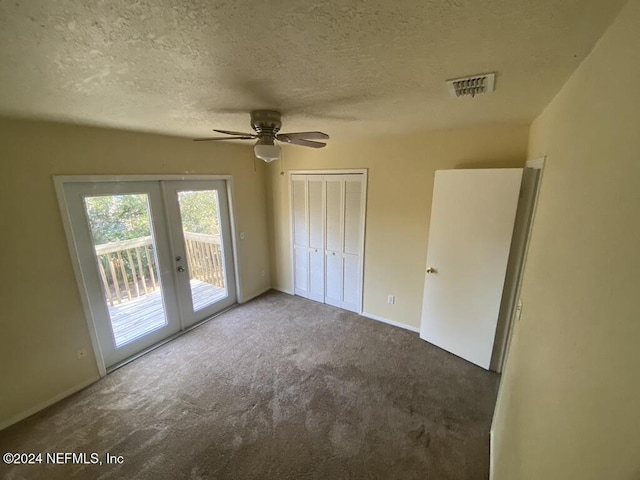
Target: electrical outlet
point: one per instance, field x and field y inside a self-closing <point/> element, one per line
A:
<point x="82" y="353"/>
<point x="263" y="273"/>
<point x="391" y="299"/>
<point x="241" y="235"/>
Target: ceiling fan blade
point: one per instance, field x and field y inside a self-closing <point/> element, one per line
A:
<point x="305" y="143"/>
<point x="240" y="134"/>
<point x="222" y="138"/>
<point x="305" y="135"/>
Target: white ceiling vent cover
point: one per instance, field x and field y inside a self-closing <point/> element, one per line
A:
<point x="472" y="86"/>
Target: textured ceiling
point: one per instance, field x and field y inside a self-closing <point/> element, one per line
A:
<point x="347" y="67"/>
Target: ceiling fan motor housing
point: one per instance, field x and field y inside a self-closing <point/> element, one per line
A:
<point x="266" y="122"/>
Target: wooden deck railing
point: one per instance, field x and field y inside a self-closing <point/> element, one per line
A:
<point x="128" y="268"/>
<point x="204" y="255"/>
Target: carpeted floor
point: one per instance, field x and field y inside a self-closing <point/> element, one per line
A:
<point x="278" y="388"/>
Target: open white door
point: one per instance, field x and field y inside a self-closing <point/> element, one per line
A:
<point x="472" y="219"/>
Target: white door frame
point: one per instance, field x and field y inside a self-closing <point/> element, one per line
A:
<point x="538" y="164"/>
<point x="60" y="180"/>
<point x="513" y="310"/>
<point x="362" y="171"/>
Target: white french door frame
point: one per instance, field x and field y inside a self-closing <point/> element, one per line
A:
<point x="362" y="171"/>
<point x="59" y="183"/>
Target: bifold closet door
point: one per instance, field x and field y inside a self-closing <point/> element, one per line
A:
<point x="328" y="229"/>
<point x="334" y="236"/>
<point x="308" y="236"/>
<point x="344" y="220"/>
<point x="300" y="235"/>
<point x="315" y="193"/>
<point x="352" y="251"/>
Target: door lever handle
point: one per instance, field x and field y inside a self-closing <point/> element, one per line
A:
<point x="181" y="269"/>
<point x="431" y="270"/>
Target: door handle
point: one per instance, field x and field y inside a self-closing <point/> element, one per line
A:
<point x="431" y="270"/>
<point x="181" y="269"/>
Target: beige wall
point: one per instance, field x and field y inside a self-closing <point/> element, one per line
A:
<point x="400" y="186"/>
<point x="41" y="317"/>
<point x="569" y="406"/>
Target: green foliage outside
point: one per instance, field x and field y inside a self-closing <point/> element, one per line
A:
<point x="124" y="217"/>
<point x="118" y="217"/>
<point x="199" y="212"/>
<point x="114" y="218"/>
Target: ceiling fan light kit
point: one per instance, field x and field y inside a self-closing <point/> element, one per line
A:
<point x="267" y="150"/>
<point x="266" y="124"/>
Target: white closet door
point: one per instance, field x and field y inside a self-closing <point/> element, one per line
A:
<point x="315" y="189"/>
<point x="334" y="239"/>
<point x="328" y="230"/>
<point x="300" y="235"/>
<point x="352" y="254"/>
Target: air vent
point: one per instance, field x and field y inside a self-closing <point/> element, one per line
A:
<point x="472" y="86"/>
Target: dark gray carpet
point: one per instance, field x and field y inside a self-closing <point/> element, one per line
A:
<point x="279" y="388"/>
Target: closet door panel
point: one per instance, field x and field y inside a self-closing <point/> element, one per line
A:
<point x="315" y="193"/>
<point x="352" y="216"/>
<point x="301" y="260"/>
<point x="316" y="208"/>
<point x="334" y="279"/>
<point x="316" y="275"/>
<point x="351" y="279"/>
<point x="300" y="234"/>
<point x="334" y="214"/>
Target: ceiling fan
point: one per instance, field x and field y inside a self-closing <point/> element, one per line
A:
<point x="266" y="124"/>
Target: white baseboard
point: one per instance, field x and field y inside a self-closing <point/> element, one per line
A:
<point x="255" y="295"/>
<point x="47" y="403"/>
<point x="492" y="468"/>
<point x="283" y="290"/>
<point x="390" y="322"/>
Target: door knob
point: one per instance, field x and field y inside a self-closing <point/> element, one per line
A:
<point x="431" y="270"/>
<point x="181" y="269"/>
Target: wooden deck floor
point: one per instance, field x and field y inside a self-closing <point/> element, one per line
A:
<point x="138" y="317"/>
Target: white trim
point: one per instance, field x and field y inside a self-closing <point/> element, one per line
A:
<point x="346" y="171"/>
<point x="134" y="178"/>
<point x="42" y="405"/>
<point x="59" y="182"/>
<point x="283" y="290"/>
<point x="261" y="292"/>
<point x="492" y="467"/>
<point x="537" y="163"/>
<point x="363" y="229"/>
<point x="234" y="239"/>
<point x="390" y="322"/>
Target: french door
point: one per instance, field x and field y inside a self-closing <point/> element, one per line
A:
<point x="155" y="258"/>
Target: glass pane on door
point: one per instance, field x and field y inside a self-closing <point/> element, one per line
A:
<point x="125" y="249"/>
<point x="200" y="216"/>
